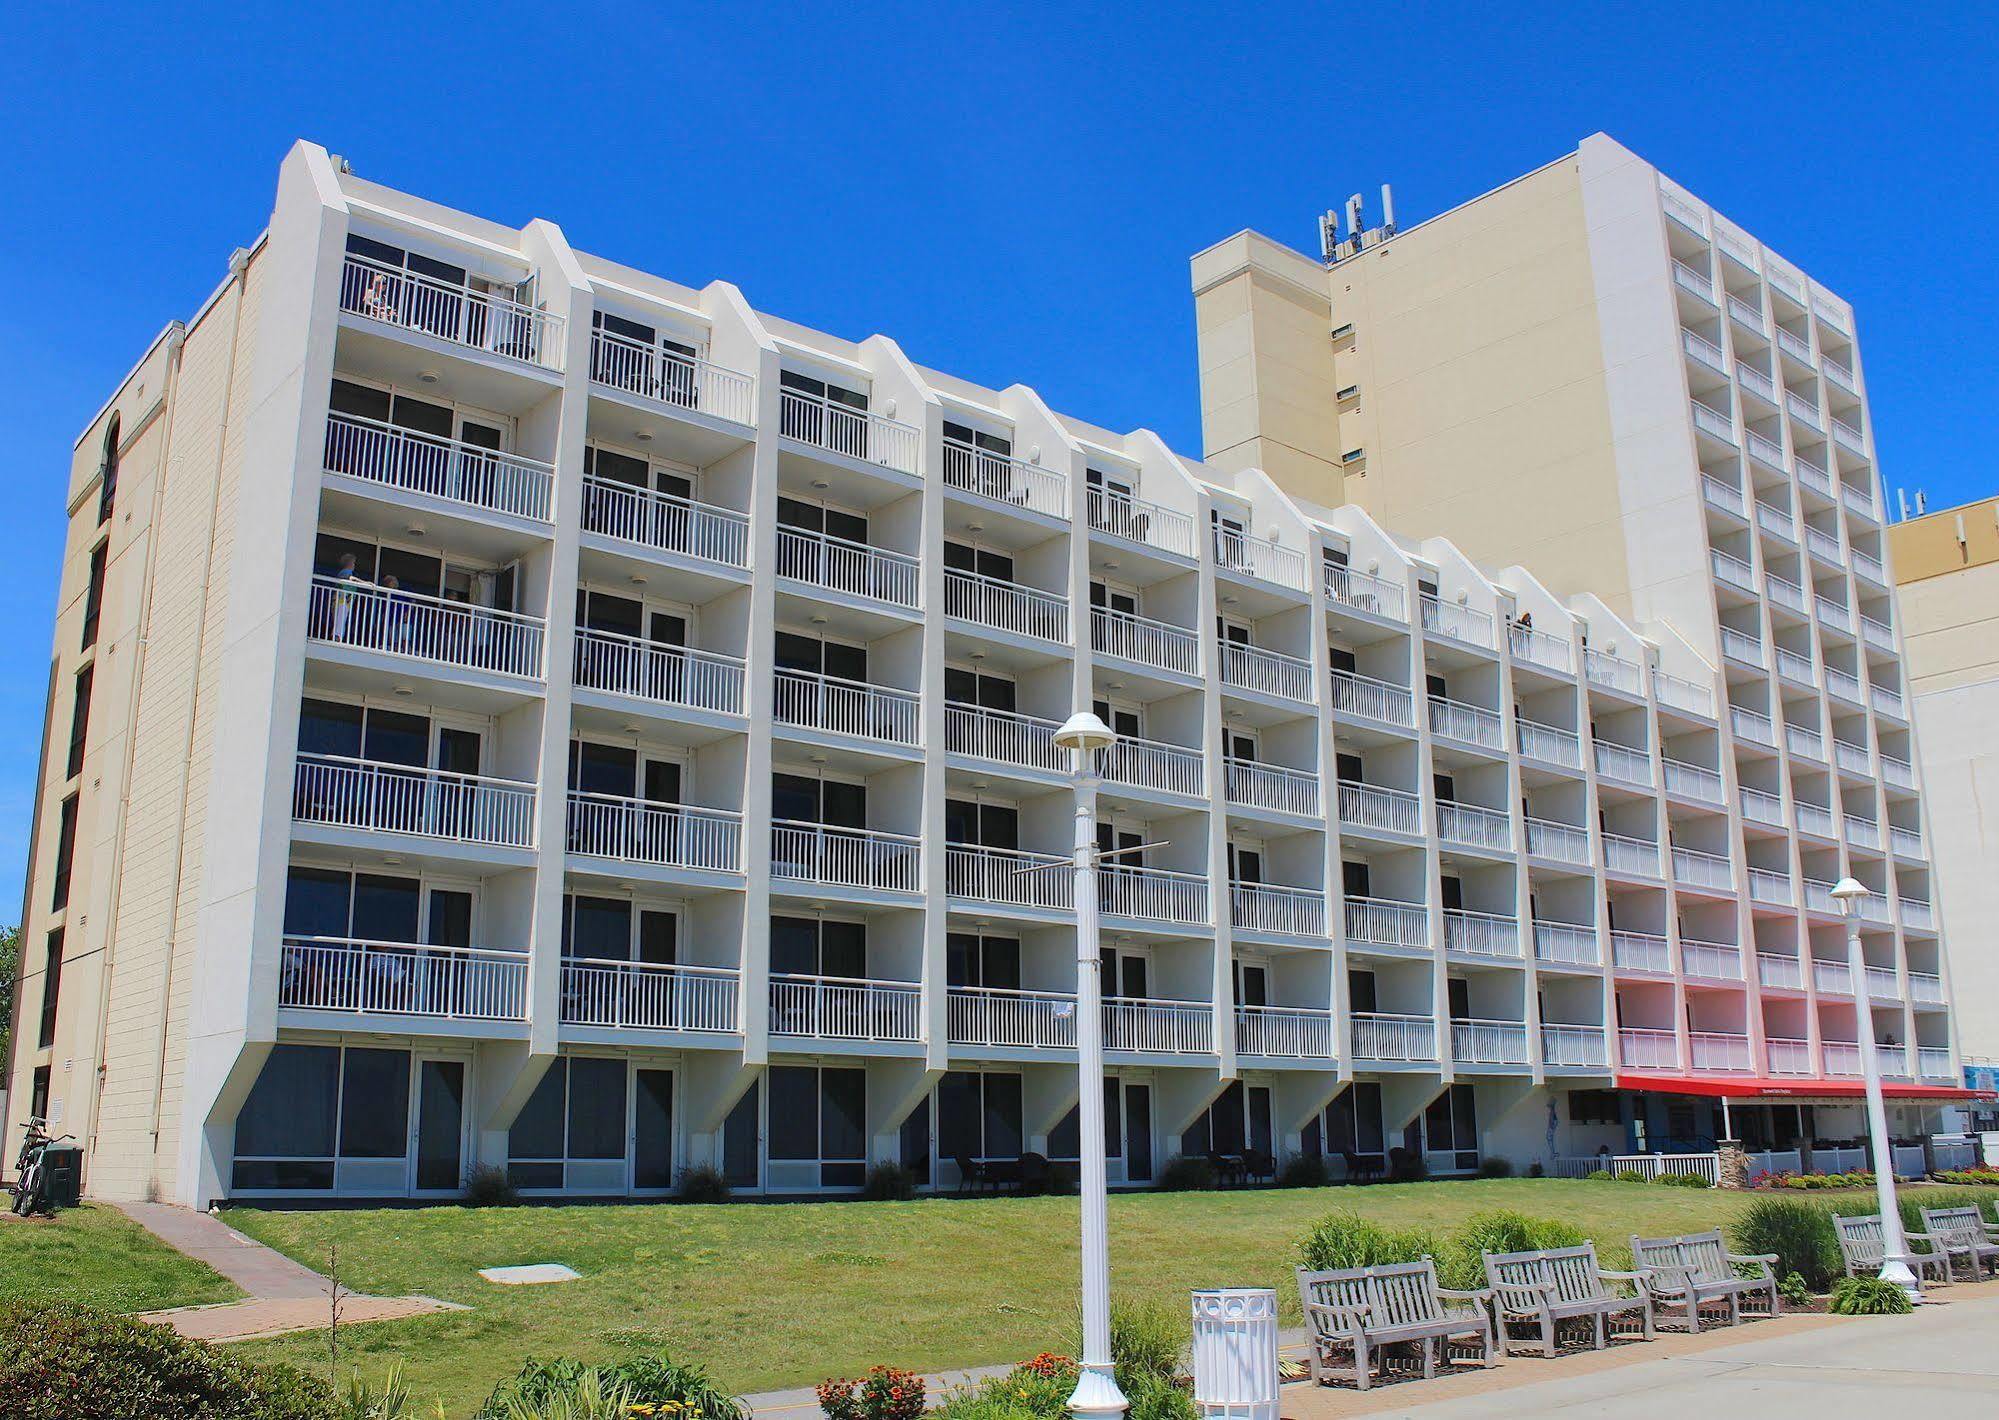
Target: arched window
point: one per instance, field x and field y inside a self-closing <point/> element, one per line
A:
<point x="107" y="490"/>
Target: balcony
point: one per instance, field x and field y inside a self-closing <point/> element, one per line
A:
<point x="1467" y="724"/>
<point x="644" y="995"/>
<point x="1692" y="781"/>
<point x="1696" y="869"/>
<point x="1548" y="743"/>
<point x="1284" y="1033"/>
<point x="1794" y="345"/>
<point x="657" y="672"/>
<point x="1822" y="545"/>
<point x="1883" y="984"/>
<point x="862" y="858"/>
<point x="1805" y="742"/>
<point x="1368" y="699"/>
<point x="345" y="611"/>
<point x="1841" y="375"/>
<point x="1870" y="567"/>
<point x="1540" y="648"/>
<point x="1009" y="877"/>
<point x="1813" y="818"/>
<point x="1761" y="807"/>
<point x="1725" y="496"/>
<point x="1834" y="614"/>
<point x="1789" y="1057"/>
<point x="477" y="320"/>
<point x="1776" y="521"/>
<point x="1136" y="521"/>
<point x="1842" y="1057"/>
<point x="1602" y="668"/>
<point x="1755" y="381"/>
<point x="1475" y="827"/>
<point x="1878" y="634"/>
<point x="1000" y="478"/>
<point x="1265" y="672"/>
<point x="1917" y="912"/>
<point x="1905" y="842"/>
<point x="1153" y="894"/>
<point x="1641" y="951"/>
<point x="357" y="977"/>
<point x="1889" y="702"/>
<point x="1623" y="763"/>
<point x="1642" y="1049"/>
<point x="1771" y="888"/>
<point x="1815" y="477"/>
<point x="1378" y="1035"/>
<point x="1805" y="411"/>
<point x="1154" y="764"/>
<point x="1795" y="668"/>
<point x="1561" y="842"/>
<point x="1481" y="934"/>
<point x="1695" y="697"/>
<point x="809" y="701"/>
<point x="842" y="429"/>
<point x="1714" y="422"/>
<point x="1574" y="1047"/>
<point x="845" y="1008"/>
<point x="1719" y="1050"/>
<point x="1752" y="725"/>
<point x="405" y="799"/>
<point x="1749" y="315"/>
<point x="665" y="375"/>
<point x="1145" y="642"/>
<point x="1780" y="972"/>
<point x="1363" y="591"/>
<point x="1848" y="438"/>
<point x="1732" y="571"/>
<point x="1710" y="961"/>
<point x="1268" y="907"/>
<point x="1276" y="787"/>
<point x="1382" y="922"/>
<point x="1566" y="944"/>
<point x="1705" y="351"/>
<point x="850" y="567"/>
<point x="987" y="1015"/>
<point x="1786" y="593"/>
<point x="1819" y="898"/>
<point x="1832" y="978"/>
<point x="1698" y="282"/>
<point x="1489" y="1042"/>
<point x="453" y="472"/>
<point x="1159" y="1027"/>
<point x="1862" y="832"/>
<point x="1625" y="854"/>
<point x="1466" y="625"/>
<point x="1850" y="757"/>
<point x="1933" y="1063"/>
<point x="1898" y="772"/>
<point x="1006" y="606"/>
<point x="1767" y="452"/>
<point x="647" y="518"/>
<point x="1371" y="806"/>
<point x="1002" y="737"/>
<point x="666" y="835"/>
<point x="1260" y="558"/>
<point x="1844" y="686"/>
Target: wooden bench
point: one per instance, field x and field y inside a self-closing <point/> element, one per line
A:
<point x="1862" y="1251"/>
<point x="1961" y="1234"/>
<point x="1359" y="1311"/>
<point x="1561" y="1284"/>
<point x="1698" y="1270"/>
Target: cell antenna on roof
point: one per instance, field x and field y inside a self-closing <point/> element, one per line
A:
<point x="1387" y="210"/>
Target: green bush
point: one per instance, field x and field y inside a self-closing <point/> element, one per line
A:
<point x="61" y="1361"/>
<point x="1630" y="1176"/>
<point x="1038" y="1390"/>
<point x="542" y="1387"/>
<point x="1344" y="1239"/>
<point x="1600" y="1176"/>
<point x="1799" y="1234"/>
<point x="488" y="1186"/>
<point x="1681" y="1180"/>
<point x="1158" y="1400"/>
<point x="1185" y="1173"/>
<point x="702" y="1183"/>
<point x="1793" y="1289"/>
<point x="1494" y="1168"/>
<point x="888" y="1181"/>
<point x="1147" y="1340"/>
<point x="1303" y="1171"/>
<point x="1868" y="1296"/>
<point x="1461" y="1261"/>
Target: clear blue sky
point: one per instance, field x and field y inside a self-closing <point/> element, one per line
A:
<point x="1011" y="192"/>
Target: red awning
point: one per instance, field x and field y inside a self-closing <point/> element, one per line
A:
<point x="1750" y="1087"/>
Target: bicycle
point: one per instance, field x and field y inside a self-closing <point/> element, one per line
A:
<point x="30" y="1172"/>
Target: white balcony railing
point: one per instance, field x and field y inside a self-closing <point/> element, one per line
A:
<point x="855" y="433"/>
<point x="1848" y="438"/>
<point x="1755" y="381"/>
<point x="648" y="995"/>
<point x="1788" y="1057"/>
<point x="1926" y="988"/>
<point x="1752" y="725"/>
<point x="1563" y="842"/>
<point x="1933" y="1063"/>
<point x="402" y="979"/>
<point x="1474" y="826"/>
<point x="1862" y="832"/>
<point x="1284" y="1032"/>
<point x="1796" y="346"/>
<point x="1381" y="1036"/>
<point x="1641" y="951"/>
<point x="1832" y="978"/>
<point x="1154" y="764"/>
<point x="1696" y="697"/>
<point x="1742" y="646"/>
<point x="1796" y="668"/>
<point x="1574" y="1046"/>
<point x="1878" y="634"/>
<point x="1372" y="806"/>
<point x="1548" y="743"/>
<point x="658" y="372"/>
<point x="447" y="469"/>
<point x="845" y="1008"/>
<point x="647" y="517"/>
<point x="1469" y="724"/>
<point x="1159" y="1027"/>
<point x="1371" y="699"/>
<point x="1006" y="606"/>
<point x="1603" y="668"/>
<point x="988" y="1015"/>
<point x="1711" y="961"/>
<point x="345" y="611"/>
<point x="1695" y="868"/>
<point x="1566" y="944"/>
<point x="1749" y="315"/>
<point x="1842" y="1057"/>
<point x="1780" y="972"/>
<point x="1870" y="567"/>
<point x="1489" y="1042"/>
<point x="845" y="857"/>
<point x="1883" y="984"/>
<point x="1625" y="854"/>
<point x="1692" y="781"/>
<point x="1481" y="934"/>
<point x="1848" y="756"/>
<point x="1917" y="912"/>
<point x="480" y="320"/>
<point x="1003" y="737"/>
<point x="1705" y="351"/>
<point x="1719" y="1050"/>
<point x="1804" y="741"/>
<point x="1365" y="592"/>
<point x="1004" y="479"/>
<point x="1905" y="842"/>
<point x="1623" y="763"/>
<point x="1819" y="898"/>
<point x="1265" y="672"/>
<point x="1767" y="452"/>
<point x="1845" y="685"/>
<point x="1815" y="477"/>
<point x="1898" y="772"/>
<point x="1785" y="592"/>
<point x="1140" y="639"/>
<point x="1542" y="648"/>
<point x="1008" y="876"/>
<point x="1698" y="282"/>
<point x="1760" y="806"/>
<point x="1260" y="558"/>
<point x="1137" y="521"/>
<point x="1644" y="1049"/>
<point x="399" y="798"/>
<point x="1776" y="521"/>
<point x="1804" y="410"/>
<point x="1834" y="614"/>
<point x="1814" y="818"/>
<point x="1732" y="570"/>
<point x="1385" y="923"/>
<point x="661" y="673"/>
<point x="668" y="835"/>
<point x="1710" y="420"/>
<point x="1272" y="786"/>
<point x="1269" y="907"/>
<point x="1725" y="496"/>
<point x="807" y="700"/>
<point x="850" y="567"/>
<point x="1460" y="623"/>
<point x="1889" y="702"/>
<point x="1770" y="887"/>
<point x="1152" y="894"/>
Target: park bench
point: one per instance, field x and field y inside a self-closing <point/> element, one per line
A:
<point x="1961" y="1234"/>
<point x="1698" y="1270"/>
<point x="1558" y="1284"/>
<point x="1862" y="1250"/>
<point x="1359" y="1311"/>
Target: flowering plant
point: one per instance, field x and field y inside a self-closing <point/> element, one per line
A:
<point x="885" y="1393"/>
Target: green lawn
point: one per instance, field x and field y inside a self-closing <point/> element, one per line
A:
<point x="95" y="1254"/>
<point x="774" y="1295"/>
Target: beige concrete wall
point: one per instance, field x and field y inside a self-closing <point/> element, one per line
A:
<point x="1944" y="542"/>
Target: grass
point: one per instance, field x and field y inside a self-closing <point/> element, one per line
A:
<point x="98" y="1256"/>
<point x="774" y="1295"/>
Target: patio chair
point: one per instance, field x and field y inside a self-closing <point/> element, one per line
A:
<point x="1698" y="1270"/>
<point x="1360" y="1167"/>
<point x="1962" y="1235"/>
<point x="1861" y="1250"/>
<point x="1545" y="1288"/>
<point x="1357" y="1312"/>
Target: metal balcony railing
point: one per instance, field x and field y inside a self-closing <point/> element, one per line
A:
<point x="1379" y="1035"/>
<point x="990" y="1015"/>
<point x="1481" y="934"/>
<point x="1693" y="867"/>
<point x="665" y="375"/>
<point x="1566" y="944"/>
<point x="1006" y="606"/>
<point x="1474" y="826"/>
<point x="1574" y="1046"/>
<point x="1468" y="724"/>
<point x="1260" y="558"/>
<point x="1623" y="763"/>
<point x="845" y="1008"/>
<point x="1711" y="961"/>
<point x="1004" y="479"/>
<point x="666" y="835"/>
<point x="479" y="320"/>
<point x="1363" y="591"/>
<point x="1489" y="1042"/>
<point x="360" y="977"/>
<point x="842" y="429"/>
<point x="1371" y="699"/>
<point x="1140" y="639"/>
<point x="1265" y="672"/>
<point x="1372" y="806"/>
<point x="1008" y="876"/>
<point x="1693" y="781"/>
<point x="845" y="857"/>
<point x="661" y="673"/>
<point x="648" y="995"/>
<point x="1152" y="894"/>
<point x="811" y="701"/>
<point x="1467" y="624"/>
<point x="345" y="611"/>
<point x="1272" y="786"/>
<point x="407" y="799"/>
<point x="646" y="517"/>
<point x="1781" y="972"/>
<point x="1003" y="737"/>
<point x="1154" y="764"/>
<point x="447" y="469"/>
<point x="1625" y="854"/>
<point x="1140" y="522"/>
<point x="1719" y="1050"/>
<point x="1549" y="743"/>
<point x="1382" y="922"/>
<point x="1641" y="951"/>
<point x="1159" y="1027"/>
<point x="1639" y="1048"/>
<point x="1563" y="842"/>
<point x="1269" y="907"/>
<point x="1284" y="1032"/>
<point x="851" y="567"/>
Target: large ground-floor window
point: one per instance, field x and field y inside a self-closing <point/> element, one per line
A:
<point x="352" y="1119"/>
<point x="595" y="1124"/>
<point x="816" y="1125"/>
<point x="1236" y="1124"/>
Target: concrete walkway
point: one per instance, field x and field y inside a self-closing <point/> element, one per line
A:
<point x="282" y="1294"/>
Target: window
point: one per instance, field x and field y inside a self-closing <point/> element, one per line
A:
<point x="1595" y="1107"/>
<point x="971" y="960"/>
<point x="65" y="855"/>
<point x="51" y="989"/>
<point x="1238" y="1121"/>
<point x="286" y="1130"/>
<point x="977" y="688"/>
<point x="79" y="720"/>
<point x="107" y="487"/>
<point x="1450" y="1126"/>
<point x="93" y="597"/>
<point x="803" y="798"/>
<point x="983" y="825"/>
<point x="819" y="1116"/>
<point x="38" y="1093"/>
<point x="1360" y="991"/>
<point x="1353" y="1120"/>
<point x="576" y="1116"/>
<point x="818" y="946"/>
<point x="979" y="1116"/>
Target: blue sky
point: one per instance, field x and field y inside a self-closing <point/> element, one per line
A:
<point x="1010" y="191"/>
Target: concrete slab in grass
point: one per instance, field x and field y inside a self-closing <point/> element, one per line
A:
<point x="530" y="1274"/>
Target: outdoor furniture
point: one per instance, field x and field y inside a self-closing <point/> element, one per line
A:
<point x="1698" y="1270"/>
<point x="973" y="1175"/>
<point x="1361" y="1167"/>
<point x="1961" y="1234"/>
<point x="1862" y="1250"/>
<point x="1558" y="1284"/>
<point x="1357" y="1312"/>
<point x="1259" y="1165"/>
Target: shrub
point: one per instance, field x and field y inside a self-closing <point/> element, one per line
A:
<point x="889" y="1181"/>
<point x="1034" y="1390"/>
<point x="1630" y="1176"/>
<point x="1405" y="1166"/>
<point x="543" y="1387"/>
<point x="1799" y="1234"/>
<point x="592" y="1397"/>
<point x="1537" y="1170"/>
<point x="702" y="1183"/>
<point x="885" y="1393"/>
<point x="1159" y="1400"/>
<point x="1868" y="1296"/>
<point x="1303" y="1171"/>
<point x="1794" y="1291"/>
<point x="1600" y="1176"/>
<point x="488" y="1186"/>
<point x="1494" y="1168"/>
<point x="1185" y="1173"/>
<point x="1146" y="1342"/>
<point x="1344" y="1239"/>
<point x="1461" y="1261"/>
<point x="1681" y="1180"/>
<point x="49" y="1349"/>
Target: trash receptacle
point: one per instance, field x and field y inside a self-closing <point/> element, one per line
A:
<point x="62" y="1166"/>
<point x="1235" y="1353"/>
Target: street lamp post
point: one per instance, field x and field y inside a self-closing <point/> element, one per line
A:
<point x="1096" y="1396"/>
<point x="1894" y="1245"/>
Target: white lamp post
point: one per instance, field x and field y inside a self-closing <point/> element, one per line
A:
<point x="1097" y="1396"/>
<point x="1894" y="1245"/>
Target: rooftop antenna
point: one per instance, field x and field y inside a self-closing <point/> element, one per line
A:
<point x="1329" y="233"/>
<point x="1353" y="220"/>
<point x="1902" y="501"/>
<point x="1922" y="502"/>
<point x="1387" y="211"/>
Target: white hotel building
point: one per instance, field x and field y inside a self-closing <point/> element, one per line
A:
<point x="509" y="708"/>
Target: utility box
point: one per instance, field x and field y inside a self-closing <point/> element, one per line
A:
<point x="62" y="1171"/>
<point x="1235" y="1353"/>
